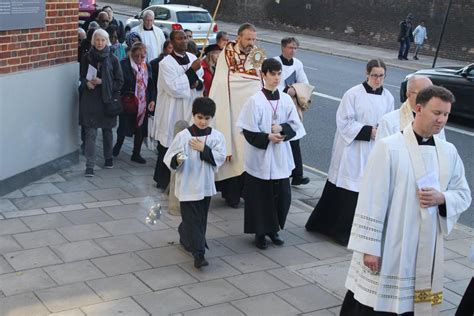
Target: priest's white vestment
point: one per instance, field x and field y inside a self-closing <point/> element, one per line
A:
<point x="395" y="121"/>
<point x="235" y="81"/>
<point x="388" y="219"/>
<point x="175" y="98"/>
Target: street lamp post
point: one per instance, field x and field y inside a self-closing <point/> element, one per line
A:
<point x="442" y="33"/>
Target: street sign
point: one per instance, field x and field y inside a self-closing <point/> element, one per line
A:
<point x="22" y="14"/>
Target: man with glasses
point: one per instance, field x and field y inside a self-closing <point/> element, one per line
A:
<point x="397" y="120"/>
<point x="293" y="72"/>
<point x="103" y="20"/>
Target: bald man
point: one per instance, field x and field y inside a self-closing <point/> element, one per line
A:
<point x="395" y="121"/>
<point x="103" y="20"/>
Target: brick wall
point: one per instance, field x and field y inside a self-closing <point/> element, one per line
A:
<point x="366" y="22"/>
<point x="54" y="44"/>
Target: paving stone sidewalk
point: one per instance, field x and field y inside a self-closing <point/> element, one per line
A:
<point x="71" y="245"/>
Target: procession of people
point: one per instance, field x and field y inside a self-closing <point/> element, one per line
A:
<point x="395" y="186"/>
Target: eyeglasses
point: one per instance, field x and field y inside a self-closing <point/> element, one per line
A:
<point x="139" y="56"/>
<point x="375" y="76"/>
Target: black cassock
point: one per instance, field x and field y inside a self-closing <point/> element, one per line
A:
<point x="267" y="202"/>
<point x="192" y="230"/>
<point x="334" y="213"/>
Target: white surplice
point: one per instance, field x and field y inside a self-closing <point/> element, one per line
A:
<point x="287" y="72"/>
<point x="175" y="98"/>
<point x="275" y="162"/>
<point x="235" y="81"/>
<point x="348" y="159"/>
<point x="195" y="177"/>
<point x="388" y="219"/>
<point x="296" y="73"/>
<point x="153" y="39"/>
<point x="395" y="121"/>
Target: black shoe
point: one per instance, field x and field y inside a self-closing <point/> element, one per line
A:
<point x="415" y="58"/>
<point x="116" y="150"/>
<point x="261" y="242"/>
<point x="89" y="172"/>
<point x="276" y="239"/>
<point x="138" y="159"/>
<point x="400" y="58"/>
<point x="109" y="163"/>
<point x="299" y="180"/>
<point x="232" y="204"/>
<point x="405" y="58"/>
<point x="200" y="261"/>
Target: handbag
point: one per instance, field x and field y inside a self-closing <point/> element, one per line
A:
<point x="130" y="103"/>
<point x="113" y="108"/>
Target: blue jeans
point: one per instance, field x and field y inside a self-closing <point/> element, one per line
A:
<point x="404" y="48"/>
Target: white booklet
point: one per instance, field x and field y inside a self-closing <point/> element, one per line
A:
<point x="91" y="73"/>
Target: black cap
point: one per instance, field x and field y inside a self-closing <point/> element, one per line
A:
<point x="211" y="48"/>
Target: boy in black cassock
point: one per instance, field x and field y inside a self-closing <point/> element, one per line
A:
<point x="196" y="153"/>
<point x="268" y="121"/>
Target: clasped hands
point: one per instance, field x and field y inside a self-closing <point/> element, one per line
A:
<point x="275" y="137"/>
<point x="93" y="83"/>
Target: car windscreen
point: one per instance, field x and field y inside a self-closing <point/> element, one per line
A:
<point x="193" y="17"/>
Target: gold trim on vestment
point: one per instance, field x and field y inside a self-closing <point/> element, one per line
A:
<point x="425" y="296"/>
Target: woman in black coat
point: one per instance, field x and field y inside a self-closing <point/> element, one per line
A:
<point x="98" y="92"/>
<point x="139" y="86"/>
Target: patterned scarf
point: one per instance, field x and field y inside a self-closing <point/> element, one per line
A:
<point x="141" y="78"/>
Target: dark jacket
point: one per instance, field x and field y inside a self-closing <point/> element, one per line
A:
<point x="127" y="122"/>
<point x="406" y="29"/>
<point x="120" y="29"/>
<point x="91" y="106"/>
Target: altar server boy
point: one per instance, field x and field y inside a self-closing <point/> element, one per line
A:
<point x="268" y="121"/>
<point x="196" y="153"/>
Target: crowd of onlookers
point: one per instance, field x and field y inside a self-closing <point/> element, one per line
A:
<point x="126" y="71"/>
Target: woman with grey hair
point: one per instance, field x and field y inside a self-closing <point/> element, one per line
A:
<point x="101" y="79"/>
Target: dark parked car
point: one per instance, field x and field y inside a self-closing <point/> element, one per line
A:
<point x="459" y="80"/>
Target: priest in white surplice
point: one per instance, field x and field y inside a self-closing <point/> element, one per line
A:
<point x="360" y="110"/>
<point x="413" y="192"/>
<point x="397" y="120"/>
<point x="151" y="35"/>
<point x="179" y="83"/>
<point x="235" y="80"/>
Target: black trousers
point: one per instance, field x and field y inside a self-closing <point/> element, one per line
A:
<point x="192" y="230"/>
<point x="137" y="140"/>
<point x="466" y="307"/>
<point x="162" y="173"/>
<point x="296" y="150"/>
<point x="351" y="307"/>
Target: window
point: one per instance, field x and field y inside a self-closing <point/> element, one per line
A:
<point x="193" y="17"/>
<point x="162" y="14"/>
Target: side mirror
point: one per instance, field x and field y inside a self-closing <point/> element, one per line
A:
<point x="136" y="16"/>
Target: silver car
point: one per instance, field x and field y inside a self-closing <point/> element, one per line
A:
<point x="169" y="17"/>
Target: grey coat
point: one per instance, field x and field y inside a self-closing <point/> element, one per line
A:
<point x="91" y="106"/>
